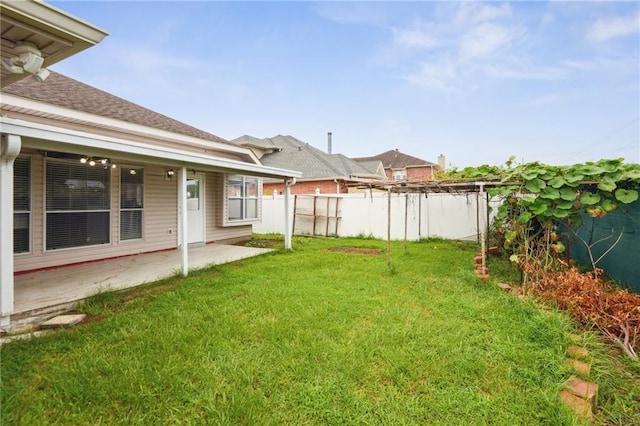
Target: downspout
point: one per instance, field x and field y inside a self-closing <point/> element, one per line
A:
<point x="288" y="183"/>
<point x="9" y="151"/>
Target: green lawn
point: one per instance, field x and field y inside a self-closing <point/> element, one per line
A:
<point x="313" y="337"/>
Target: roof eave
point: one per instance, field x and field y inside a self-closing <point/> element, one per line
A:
<point x="53" y="138"/>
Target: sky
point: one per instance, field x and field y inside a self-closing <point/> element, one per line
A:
<point x="551" y="81"/>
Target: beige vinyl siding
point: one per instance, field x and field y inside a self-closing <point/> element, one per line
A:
<point x="215" y="213"/>
<point x="160" y="215"/>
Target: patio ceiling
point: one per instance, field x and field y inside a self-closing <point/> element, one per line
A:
<point x="54" y="32"/>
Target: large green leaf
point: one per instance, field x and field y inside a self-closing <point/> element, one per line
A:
<point x="564" y="204"/>
<point x="633" y="175"/>
<point x="589" y="198"/>
<point x="591" y="170"/>
<point x="607" y="185"/>
<point x="550" y="193"/>
<point x="538" y="207"/>
<point x="573" y="177"/>
<point x="557" y="182"/>
<point x="609" y="205"/>
<point x="626" y="195"/>
<point x="524" y="218"/>
<point x="568" y="194"/>
<point x="535" y="185"/>
<point x="503" y="211"/>
<point x="559" y="213"/>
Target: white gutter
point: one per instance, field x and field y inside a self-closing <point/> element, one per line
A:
<point x="54" y="138"/>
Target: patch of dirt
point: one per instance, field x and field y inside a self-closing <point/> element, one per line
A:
<point x="357" y="250"/>
<point x="260" y="243"/>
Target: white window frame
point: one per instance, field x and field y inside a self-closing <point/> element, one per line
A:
<point x="244" y="220"/>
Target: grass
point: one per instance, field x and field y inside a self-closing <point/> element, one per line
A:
<point x="312" y="336"/>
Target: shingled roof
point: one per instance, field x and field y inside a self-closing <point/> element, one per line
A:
<point x="312" y="162"/>
<point x="395" y="159"/>
<point x="63" y="91"/>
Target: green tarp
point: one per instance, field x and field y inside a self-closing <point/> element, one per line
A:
<point x="622" y="263"/>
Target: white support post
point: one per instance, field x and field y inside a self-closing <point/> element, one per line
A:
<point x="183" y="223"/>
<point x="9" y="150"/>
<point x="287" y="219"/>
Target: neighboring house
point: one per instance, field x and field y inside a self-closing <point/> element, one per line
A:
<point x="400" y="166"/>
<point x="85" y="175"/>
<point x="322" y="173"/>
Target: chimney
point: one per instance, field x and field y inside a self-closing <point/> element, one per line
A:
<point x="328" y="142"/>
<point x="441" y="162"/>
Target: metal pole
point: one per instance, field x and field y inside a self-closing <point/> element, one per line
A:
<point x="388" y="227"/>
<point x="184" y="223"/>
<point x="406" y="216"/>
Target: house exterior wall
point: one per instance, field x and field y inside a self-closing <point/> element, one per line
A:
<point x="308" y="187"/>
<point x="160" y="218"/>
<point x="414" y="173"/>
<point x="215" y="212"/>
<point x="420" y="173"/>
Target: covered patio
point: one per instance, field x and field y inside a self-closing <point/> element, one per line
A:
<point x="41" y="294"/>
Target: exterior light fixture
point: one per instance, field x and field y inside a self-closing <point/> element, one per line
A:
<point x="84" y="160"/>
<point x="92" y="162"/>
<point x="169" y="174"/>
<point x="28" y="58"/>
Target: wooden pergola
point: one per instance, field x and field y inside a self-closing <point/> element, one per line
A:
<point x="460" y="186"/>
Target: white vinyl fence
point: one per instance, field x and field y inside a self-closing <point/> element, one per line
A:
<point x="450" y="216"/>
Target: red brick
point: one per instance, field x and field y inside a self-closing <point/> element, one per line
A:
<point x="577" y="404"/>
<point x="577" y="352"/>
<point x="580" y="367"/>
<point x="583" y="389"/>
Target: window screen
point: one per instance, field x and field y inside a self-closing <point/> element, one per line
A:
<point x="21" y="204"/>
<point x="131" y="203"/>
<point x="77" y="204"/>
<point x="242" y="198"/>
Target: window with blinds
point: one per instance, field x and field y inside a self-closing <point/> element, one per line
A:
<point x="242" y="198"/>
<point x="77" y="204"/>
<point x="22" y="204"/>
<point x="131" y="203"/>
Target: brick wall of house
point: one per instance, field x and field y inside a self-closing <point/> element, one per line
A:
<point x="325" y="186"/>
<point x="420" y="173"/>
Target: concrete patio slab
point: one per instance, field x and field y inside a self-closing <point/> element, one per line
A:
<point x="62" y="321"/>
<point x="58" y="289"/>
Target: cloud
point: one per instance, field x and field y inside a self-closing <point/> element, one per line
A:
<point x="608" y="28"/>
<point x="546" y="100"/>
<point x="472" y="13"/>
<point x="414" y="38"/>
<point x="437" y="75"/>
<point x="507" y="71"/>
<point x="547" y="19"/>
<point x="484" y="39"/>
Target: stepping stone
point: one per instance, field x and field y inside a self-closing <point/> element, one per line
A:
<point x="580" y="367"/>
<point x="577" y="404"/>
<point x="62" y="321"/>
<point x="583" y="389"/>
<point x="504" y="286"/>
<point x="577" y="352"/>
<point x="575" y="338"/>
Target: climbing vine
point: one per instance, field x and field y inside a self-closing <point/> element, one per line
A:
<point x="538" y="201"/>
<point x="538" y="197"/>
